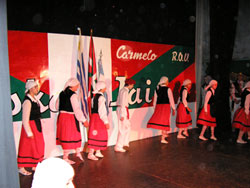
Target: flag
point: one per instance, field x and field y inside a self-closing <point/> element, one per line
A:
<point x="81" y="78"/>
<point x="101" y="77"/>
<point x="92" y="77"/>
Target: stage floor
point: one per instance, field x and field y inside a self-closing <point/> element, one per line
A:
<point x="182" y="163"/>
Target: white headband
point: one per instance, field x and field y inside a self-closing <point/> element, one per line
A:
<point x="211" y="83"/>
<point x="163" y="80"/>
<point x="100" y="85"/>
<point x="71" y="83"/>
<point x="186" y="82"/>
<point x="52" y="172"/>
<point x="30" y="84"/>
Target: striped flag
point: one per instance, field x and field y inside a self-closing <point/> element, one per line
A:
<point x="101" y="77"/>
<point x="92" y="77"/>
<point x="81" y="78"/>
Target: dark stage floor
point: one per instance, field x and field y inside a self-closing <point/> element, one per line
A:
<point x="186" y="163"/>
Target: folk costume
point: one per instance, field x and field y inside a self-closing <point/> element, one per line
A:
<point x="207" y="114"/>
<point x="68" y="122"/>
<point x="31" y="144"/>
<point x="98" y="134"/>
<point x="241" y="118"/>
<point x="163" y="101"/>
<point x="124" y="125"/>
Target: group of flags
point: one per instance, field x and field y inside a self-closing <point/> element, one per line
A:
<point x="85" y="93"/>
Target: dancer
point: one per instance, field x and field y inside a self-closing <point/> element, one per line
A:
<point x="242" y="117"/>
<point x="207" y="115"/>
<point x="31" y="145"/>
<point x="183" y="118"/>
<point x="98" y="134"/>
<point x="70" y="114"/>
<point x="164" y="102"/>
<point x="123" y="116"/>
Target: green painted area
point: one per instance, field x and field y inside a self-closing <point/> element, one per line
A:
<point x="165" y="65"/>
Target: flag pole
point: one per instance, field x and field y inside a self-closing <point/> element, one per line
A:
<point x="85" y="129"/>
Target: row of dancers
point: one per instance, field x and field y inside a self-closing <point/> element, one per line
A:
<point x="68" y="135"/>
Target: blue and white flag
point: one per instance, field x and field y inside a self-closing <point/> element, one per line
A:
<point x="101" y="77"/>
<point x="81" y="78"/>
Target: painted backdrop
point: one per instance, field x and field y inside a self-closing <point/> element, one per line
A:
<point x="52" y="60"/>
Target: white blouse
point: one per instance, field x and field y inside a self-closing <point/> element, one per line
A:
<point x="122" y="101"/>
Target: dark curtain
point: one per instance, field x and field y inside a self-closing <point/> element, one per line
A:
<point x="223" y="21"/>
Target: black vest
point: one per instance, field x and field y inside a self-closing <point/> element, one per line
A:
<point x="182" y="89"/>
<point x="212" y="98"/>
<point x="243" y="97"/>
<point x="162" y="95"/>
<point x="94" y="109"/>
<point x="64" y="100"/>
<point x="35" y="113"/>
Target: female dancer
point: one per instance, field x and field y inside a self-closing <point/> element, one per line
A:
<point x="183" y="118"/>
<point x="242" y="116"/>
<point x="31" y="145"/>
<point x="70" y="114"/>
<point x="164" y="102"/>
<point x="207" y="115"/>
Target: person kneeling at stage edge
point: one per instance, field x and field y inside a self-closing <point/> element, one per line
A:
<point x="164" y="99"/>
<point x="207" y="115"/>
<point x="31" y="144"/>
<point x="124" y="124"/>
<point x="241" y="118"/>
<point x="98" y="134"/>
<point x="70" y="114"/>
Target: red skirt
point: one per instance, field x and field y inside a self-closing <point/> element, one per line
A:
<point x="206" y="120"/>
<point x="160" y="118"/>
<point x="31" y="150"/>
<point x="183" y="119"/>
<point x="240" y="121"/>
<point x="68" y="135"/>
<point x="98" y="134"/>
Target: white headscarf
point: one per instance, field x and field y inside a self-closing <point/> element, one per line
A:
<point x="30" y="84"/>
<point x="100" y="85"/>
<point x="186" y="82"/>
<point x="163" y="80"/>
<point x="53" y="172"/>
<point x="211" y="83"/>
<point x="247" y="85"/>
<point x="71" y="83"/>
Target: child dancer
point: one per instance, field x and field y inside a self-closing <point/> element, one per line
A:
<point x="161" y="117"/>
<point x="70" y="114"/>
<point x="242" y="116"/>
<point x="207" y="117"/>
<point x="123" y="116"/>
<point x="183" y="118"/>
<point x="98" y="134"/>
<point x="31" y="145"/>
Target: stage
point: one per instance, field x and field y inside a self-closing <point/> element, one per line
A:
<point x="182" y="163"/>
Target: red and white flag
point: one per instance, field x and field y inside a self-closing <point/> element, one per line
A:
<point x="92" y="76"/>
